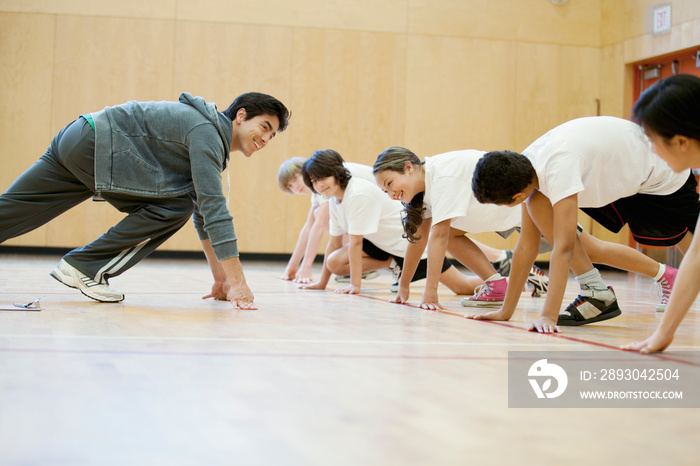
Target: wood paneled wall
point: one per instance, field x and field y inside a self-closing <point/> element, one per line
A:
<point x="433" y="75"/>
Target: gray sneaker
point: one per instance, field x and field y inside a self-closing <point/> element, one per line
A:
<point x="503" y="267"/>
<point x="365" y="276"/>
<point x="72" y="277"/>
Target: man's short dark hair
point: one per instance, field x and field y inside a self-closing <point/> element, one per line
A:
<point x="500" y="175"/>
<point x="322" y="164"/>
<point x="256" y="104"/>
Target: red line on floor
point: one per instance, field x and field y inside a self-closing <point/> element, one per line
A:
<point x="555" y="335"/>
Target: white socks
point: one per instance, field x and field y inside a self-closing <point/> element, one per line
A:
<point x="591" y="280"/>
<point x="662" y="271"/>
<point x="494" y="277"/>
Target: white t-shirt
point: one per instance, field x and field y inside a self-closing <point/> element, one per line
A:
<point x="366" y="210"/>
<point x="602" y="159"/>
<point x="448" y="195"/>
<point x="356" y="170"/>
<point x="317" y="200"/>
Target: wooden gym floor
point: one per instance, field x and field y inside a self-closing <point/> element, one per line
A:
<point x="311" y="378"/>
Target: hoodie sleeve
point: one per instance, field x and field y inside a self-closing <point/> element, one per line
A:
<point x="211" y="218"/>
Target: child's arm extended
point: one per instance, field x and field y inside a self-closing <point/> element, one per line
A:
<point x="564" y="220"/>
<point x="524" y="256"/>
<point x="437" y="246"/>
<point x="414" y="252"/>
<point x="685" y="290"/>
<point x="335" y="242"/>
<point x="355" y="256"/>
<point x="302" y="240"/>
<point x="318" y="227"/>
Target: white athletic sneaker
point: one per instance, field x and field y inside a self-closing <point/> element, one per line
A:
<point x="396" y="272"/>
<point x="365" y="276"/>
<point x="537" y="281"/>
<point x="72" y="277"/>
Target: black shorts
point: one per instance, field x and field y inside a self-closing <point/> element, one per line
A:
<point x="654" y="220"/>
<point x="421" y="271"/>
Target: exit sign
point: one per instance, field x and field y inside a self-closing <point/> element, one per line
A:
<point x="662" y="19"/>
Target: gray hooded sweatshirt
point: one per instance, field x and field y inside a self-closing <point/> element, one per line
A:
<point x="168" y="149"/>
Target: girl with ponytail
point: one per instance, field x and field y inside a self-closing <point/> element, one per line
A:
<point x="439" y="209"/>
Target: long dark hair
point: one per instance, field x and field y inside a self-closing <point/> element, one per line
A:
<point x="394" y="159"/>
<point x="670" y="107"/>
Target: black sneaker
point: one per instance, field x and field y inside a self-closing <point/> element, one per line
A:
<point x="590" y="306"/>
<point x="503" y="266"/>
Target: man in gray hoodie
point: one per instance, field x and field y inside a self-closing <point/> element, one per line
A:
<point x="158" y="162"/>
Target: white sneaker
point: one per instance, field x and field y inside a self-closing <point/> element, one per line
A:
<point x="72" y="277"/>
<point x="537" y="281"/>
<point x="365" y="276"/>
<point x="395" y="269"/>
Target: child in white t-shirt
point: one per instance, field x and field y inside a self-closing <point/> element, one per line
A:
<point x="291" y="182"/>
<point x="440" y="209"/>
<point x="604" y="166"/>
<point x="373" y="222"/>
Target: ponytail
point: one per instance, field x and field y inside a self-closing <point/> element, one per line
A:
<point x="412" y="218"/>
